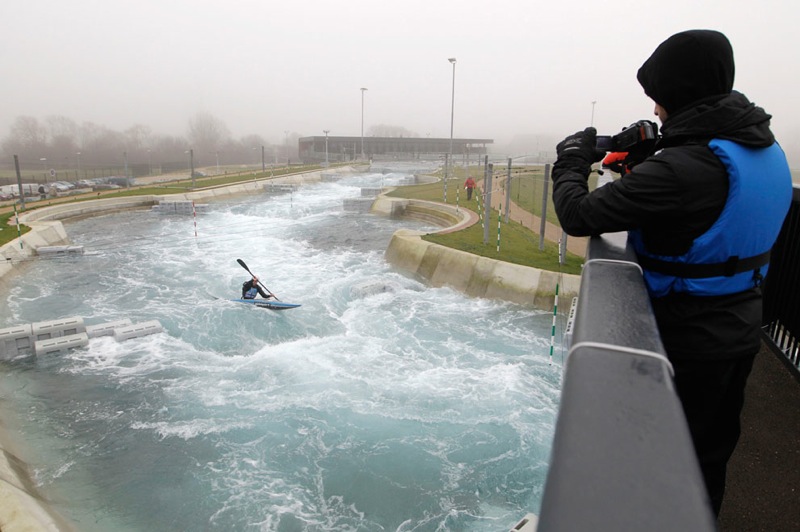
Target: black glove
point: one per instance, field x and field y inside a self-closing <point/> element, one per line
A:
<point x="577" y="153"/>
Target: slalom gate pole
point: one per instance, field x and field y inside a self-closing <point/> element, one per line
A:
<point x="499" y="222"/>
<point x="555" y="309"/>
<point x="553" y="329"/>
<point x="194" y="215"/>
<point x="19" y="233"/>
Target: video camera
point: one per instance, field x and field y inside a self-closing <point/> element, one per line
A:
<point x="638" y="137"/>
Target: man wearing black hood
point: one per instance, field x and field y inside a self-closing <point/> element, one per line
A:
<point x="702" y="213"/>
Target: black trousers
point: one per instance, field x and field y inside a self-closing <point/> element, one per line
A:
<point x="712" y="395"/>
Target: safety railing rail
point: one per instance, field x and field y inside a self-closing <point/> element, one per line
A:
<point x="622" y="456"/>
<point x="781" y="321"/>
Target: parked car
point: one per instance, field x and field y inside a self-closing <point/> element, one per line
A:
<point x="121" y="181"/>
<point x="61" y="186"/>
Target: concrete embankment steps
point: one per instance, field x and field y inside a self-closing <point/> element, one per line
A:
<point x="58" y="336"/>
<point x="179" y="207"/>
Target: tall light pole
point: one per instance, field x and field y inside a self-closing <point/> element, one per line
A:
<point x="591" y="123"/>
<point x="363" y="89"/>
<point x="263" y="164"/>
<point x="79" y="163"/>
<point x="190" y="153"/>
<point x="452" y="113"/>
<point x="286" y="142"/>
<point x="326" y="131"/>
<point x="127" y="179"/>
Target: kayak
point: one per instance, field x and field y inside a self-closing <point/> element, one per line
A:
<point x="271" y="304"/>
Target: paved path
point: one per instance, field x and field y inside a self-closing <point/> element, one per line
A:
<point x="553" y="233"/>
<point x="763" y="487"/>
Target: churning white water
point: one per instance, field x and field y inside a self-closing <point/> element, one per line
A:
<point x="379" y="405"/>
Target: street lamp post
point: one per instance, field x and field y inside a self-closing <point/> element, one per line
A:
<point x="326" y="131"/>
<point x="286" y="142"/>
<point x="127" y="179"/>
<point x="452" y="112"/>
<point x="190" y="153"/>
<point x="363" y="89"/>
<point x="79" y="164"/>
<point x="591" y="123"/>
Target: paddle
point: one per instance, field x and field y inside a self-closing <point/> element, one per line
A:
<point x="243" y="265"/>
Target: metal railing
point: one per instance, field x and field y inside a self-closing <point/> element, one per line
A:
<point x="781" y="321"/>
<point x="622" y="455"/>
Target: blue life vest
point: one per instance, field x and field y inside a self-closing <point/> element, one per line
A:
<point x="733" y="255"/>
<point x="251" y="294"/>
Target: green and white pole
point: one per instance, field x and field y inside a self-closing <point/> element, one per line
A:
<point x="19" y="233"/>
<point x="555" y="312"/>
<point x="553" y="329"/>
<point x="499" y="222"/>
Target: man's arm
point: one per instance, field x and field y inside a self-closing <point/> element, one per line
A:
<point x="649" y="194"/>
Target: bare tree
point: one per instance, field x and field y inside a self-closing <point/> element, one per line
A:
<point x="206" y="134"/>
<point x="27" y="138"/>
<point x="60" y="143"/>
<point x="61" y="126"/>
<point x="100" y="145"/>
<point x="137" y="140"/>
<point x="63" y="140"/>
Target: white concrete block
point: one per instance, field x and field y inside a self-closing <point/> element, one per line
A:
<point x="61" y="344"/>
<point x="15" y="341"/>
<point x="106" y="329"/>
<point x="44" y="330"/>
<point x="137" y="330"/>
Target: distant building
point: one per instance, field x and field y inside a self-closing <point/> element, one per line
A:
<point x="312" y="149"/>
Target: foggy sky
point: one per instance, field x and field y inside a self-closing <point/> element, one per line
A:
<point x="265" y="67"/>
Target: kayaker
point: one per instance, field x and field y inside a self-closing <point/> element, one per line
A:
<point x="251" y="288"/>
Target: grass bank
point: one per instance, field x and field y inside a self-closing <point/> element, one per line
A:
<point x="518" y="244"/>
<point x="10" y="232"/>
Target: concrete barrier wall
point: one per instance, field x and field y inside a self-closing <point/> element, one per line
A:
<point x="474" y="275"/>
<point x="478" y="276"/>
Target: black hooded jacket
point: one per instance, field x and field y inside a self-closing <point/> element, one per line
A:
<point x="674" y="196"/>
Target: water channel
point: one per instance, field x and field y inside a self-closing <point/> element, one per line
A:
<point x="379" y="404"/>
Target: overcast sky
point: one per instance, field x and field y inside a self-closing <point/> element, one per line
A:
<point x="266" y="67"/>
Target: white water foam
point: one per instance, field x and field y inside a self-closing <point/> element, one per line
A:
<point x="406" y="409"/>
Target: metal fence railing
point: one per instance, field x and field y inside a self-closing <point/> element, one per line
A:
<point x="622" y="455"/>
<point x="781" y="321"/>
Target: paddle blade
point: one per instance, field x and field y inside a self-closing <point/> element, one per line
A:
<point x="243" y="265"/>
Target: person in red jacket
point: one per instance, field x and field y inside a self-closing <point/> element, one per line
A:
<point x="469" y="184"/>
